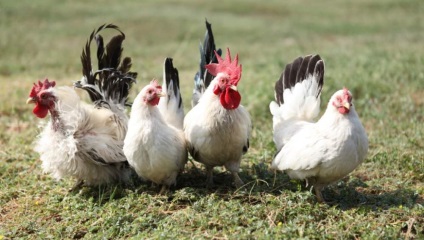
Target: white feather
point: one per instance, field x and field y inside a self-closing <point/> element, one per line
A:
<point x="154" y="148"/>
<point x="218" y="135"/>
<point x="169" y="107"/>
<point x="64" y="152"/>
<point x="326" y="150"/>
<point x="300" y="107"/>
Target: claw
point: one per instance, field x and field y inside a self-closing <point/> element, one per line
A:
<point x="237" y="180"/>
<point x="79" y="183"/>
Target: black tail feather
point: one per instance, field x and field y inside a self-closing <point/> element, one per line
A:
<point x="203" y="78"/>
<point x="207" y="54"/>
<point x="171" y="75"/>
<point x="297" y="71"/>
<point x="111" y="82"/>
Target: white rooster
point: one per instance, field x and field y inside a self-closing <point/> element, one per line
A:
<point x="320" y="152"/>
<point x="82" y="140"/>
<point x="155" y="146"/>
<point x="217" y="129"/>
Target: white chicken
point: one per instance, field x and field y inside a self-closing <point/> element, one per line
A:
<point x="154" y="145"/>
<point x="82" y="140"/>
<point x="217" y="129"/>
<point x="320" y="152"/>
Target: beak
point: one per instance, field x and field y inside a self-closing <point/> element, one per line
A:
<point x="233" y="87"/>
<point x="346" y="105"/>
<point x="30" y="100"/>
<point x="161" y="94"/>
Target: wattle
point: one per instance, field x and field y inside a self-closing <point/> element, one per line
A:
<point x="230" y="99"/>
<point x="40" y="111"/>
<point x="154" y="101"/>
<point x="343" y="110"/>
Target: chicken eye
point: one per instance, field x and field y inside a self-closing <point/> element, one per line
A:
<point x="150" y="91"/>
<point x="44" y="96"/>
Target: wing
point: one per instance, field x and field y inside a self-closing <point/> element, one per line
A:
<point x="305" y="151"/>
<point x="99" y="136"/>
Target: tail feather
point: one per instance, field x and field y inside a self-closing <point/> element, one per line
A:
<point x="298" y="90"/>
<point x="171" y="106"/>
<point x="203" y="78"/>
<point x="172" y="81"/>
<point x="112" y="81"/>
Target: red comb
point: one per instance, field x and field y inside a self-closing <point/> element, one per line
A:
<point x="41" y="86"/>
<point x="226" y="66"/>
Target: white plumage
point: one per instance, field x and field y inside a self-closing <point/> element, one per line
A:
<point x="217" y="136"/>
<point x="217" y="128"/>
<point x="154" y="147"/>
<point x="82" y="140"/>
<point x="320" y="152"/>
<point x="86" y="142"/>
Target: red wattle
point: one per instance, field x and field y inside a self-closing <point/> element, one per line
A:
<point x="40" y="111"/>
<point x="343" y="110"/>
<point x="154" y="101"/>
<point x="216" y="89"/>
<point x="230" y="99"/>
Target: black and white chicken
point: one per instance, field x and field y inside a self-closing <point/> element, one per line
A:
<point x="217" y="128"/>
<point x="83" y="140"/>
<point x="320" y="152"/>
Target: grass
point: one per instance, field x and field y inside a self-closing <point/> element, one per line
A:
<point x="373" y="47"/>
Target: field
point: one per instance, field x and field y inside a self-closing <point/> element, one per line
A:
<point x="375" y="48"/>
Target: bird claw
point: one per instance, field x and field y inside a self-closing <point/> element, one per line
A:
<point x="209" y="178"/>
<point x="78" y="184"/>
<point x="209" y="182"/>
<point x="163" y="190"/>
<point x="237" y="180"/>
<point x="319" y="196"/>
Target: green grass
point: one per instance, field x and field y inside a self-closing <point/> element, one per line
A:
<point x="373" y="47"/>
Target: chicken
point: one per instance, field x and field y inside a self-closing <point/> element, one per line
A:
<point x="320" y="152"/>
<point x="81" y="140"/>
<point x="217" y="128"/>
<point x="155" y="146"/>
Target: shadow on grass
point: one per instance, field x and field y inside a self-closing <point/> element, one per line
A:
<point x="259" y="180"/>
<point x="357" y="194"/>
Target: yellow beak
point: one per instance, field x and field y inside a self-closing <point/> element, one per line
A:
<point x="233" y="87"/>
<point x="346" y="105"/>
<point x="162" y="94"/>
<point x="30" y="100"/>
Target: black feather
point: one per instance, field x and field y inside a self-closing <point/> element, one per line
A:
<point x="297" y="71"/>
<point x="111" y="82"/>
<point x="303" y="70"/>
<point x="171" y="75"/>
<point x="100" y="51"/>
<point x="203" y="78"/>
<point x="279" y="89"/>
<point x="295" y="66"/>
